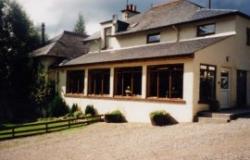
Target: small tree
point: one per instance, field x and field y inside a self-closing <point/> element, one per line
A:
<point x="80" y="25"/>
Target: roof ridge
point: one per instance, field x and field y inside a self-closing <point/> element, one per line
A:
<point x="168" y="2"/>
<point x="74" y="34"/>
<point x="218" y="9"/>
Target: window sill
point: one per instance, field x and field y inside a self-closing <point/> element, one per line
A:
<point x="130" y="98"/>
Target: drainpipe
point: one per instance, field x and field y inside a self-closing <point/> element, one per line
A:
<point x="177" y="30"/>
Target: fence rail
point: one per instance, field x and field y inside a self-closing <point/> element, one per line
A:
<point x="46" y="127"/>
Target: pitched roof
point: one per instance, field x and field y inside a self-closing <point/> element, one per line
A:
<point x="173" y="13"/>
<point x="67" y="45"/>
<point x="184" y="48"/>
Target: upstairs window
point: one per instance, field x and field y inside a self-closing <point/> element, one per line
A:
<point x="128" y="81"/>
<point x="206" y="29"/>
<point x="107" y="37"/>
<point x="154" y="38"/>
<point x="99" y="80"/>
<point x="75" y="81"/>
<point x="248" y="36"/>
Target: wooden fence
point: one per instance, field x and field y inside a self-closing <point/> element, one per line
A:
<point x="46" y="127"/>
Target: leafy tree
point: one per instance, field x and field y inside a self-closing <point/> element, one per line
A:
<point x="18" y="38"/>
<point x="80" y="25"/>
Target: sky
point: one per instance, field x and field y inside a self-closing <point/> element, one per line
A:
<point x="59" y="15"/>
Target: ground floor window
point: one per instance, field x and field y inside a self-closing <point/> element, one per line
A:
<point x="128" y="81"/>
<point x="207" y="82"/>
<point x="99" y="82"/>
<point x="165" y="81"/>
<point x="75" y="81"/>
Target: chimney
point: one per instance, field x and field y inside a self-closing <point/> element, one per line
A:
<point x="43" y="34"/>
<point x="209" y="4"/>
<point x="129" y="11"/>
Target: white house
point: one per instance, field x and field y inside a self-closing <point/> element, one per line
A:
<point x="177" y="57"/>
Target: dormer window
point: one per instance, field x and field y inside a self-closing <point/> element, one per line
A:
<point x="204" y="30"/>
<point x="107" y="37"/>
<point x="154" y="38"/>
<point x="248" y="36"/>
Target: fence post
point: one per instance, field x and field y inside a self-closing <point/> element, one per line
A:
<point x="46" y="127"/>
<point x="69" y="123"/>
<point x="13" y="132"/>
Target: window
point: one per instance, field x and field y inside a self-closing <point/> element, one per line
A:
<point x="75" y="81"/>
<point x="154" y="38"/>
<point x="204" y="30"/>
<point x="207" y="82"/>
<point x="99" y="82"/>
<point x="248" y="36"/>
<point x="165" y="81"/>
<point x="107" y="37"/>
<point x="128" y="81"/>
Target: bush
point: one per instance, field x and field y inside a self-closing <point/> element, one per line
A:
<point x="78" y="114"/>
<point x="160" y="118"/>
<point x="114" y="117"/>
<point x="57" y="107"/>
<point x="214" y="105"/>
<point x="90" y="110"/>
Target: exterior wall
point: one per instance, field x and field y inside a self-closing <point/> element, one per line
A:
<point x="137" y="110"/>
<point x="236" y="50"/>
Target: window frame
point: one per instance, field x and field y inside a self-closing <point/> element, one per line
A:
<point x="153" y="34"/>
<point x="201" y="100"/>
<point x="170" y="81"/>
<point x="69" y="84"/>
<point x="123" y="70"/>
<point x="91" y="91"/>
<point x="107" y="37"/>
<point x="205" y="34"/>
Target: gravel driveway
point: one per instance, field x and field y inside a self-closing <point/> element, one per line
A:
<point x="191" y="141"/>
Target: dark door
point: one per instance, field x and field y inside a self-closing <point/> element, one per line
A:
<point x="241" y="88"/>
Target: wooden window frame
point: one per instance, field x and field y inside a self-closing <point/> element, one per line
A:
<point x="69" y="88"/>
<point x="206" y="34"/>
<point x="153" y="34"/>
<point x="205" y="101"/>
<point x="170" y="96"/>
<point x="122" y="70"/>
<point x="103" y="71"/>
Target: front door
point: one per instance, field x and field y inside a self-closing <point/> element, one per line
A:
<point x="241" y="88"/>
<point x="225" y="88"/>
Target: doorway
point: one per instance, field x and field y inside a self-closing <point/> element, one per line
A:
<point x="241" y="88"/>
<point x="225" y="86"/>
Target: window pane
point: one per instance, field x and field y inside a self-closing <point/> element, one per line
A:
<point x="207" y="83"/>
<point x="99" y="81"/>
<point x="165" y="81"/>
<point x="128" y="81"/>
<point x="206" y="29"/>
<point x="153" y="38"/>
<point x="75" y="81"/>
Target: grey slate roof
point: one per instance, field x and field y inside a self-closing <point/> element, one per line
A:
<point x="184" y="48"/>
<point x="94" y="36"/>
<point x="67" y="45"/>
<point x="177" y="12"/>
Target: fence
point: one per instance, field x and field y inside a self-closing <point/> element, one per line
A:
<point x="46" y="127"/>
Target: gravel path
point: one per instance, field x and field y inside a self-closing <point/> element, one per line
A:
<point x="136" y="142"/>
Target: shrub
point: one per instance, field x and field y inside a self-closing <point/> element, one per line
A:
<point x="57" y="107"/>
<point x="78" y="114"/>
<point x="90" y="110"/>
<point x="74" y="108"/>
<point x="114" y="117"/>
<point x="214" y="105"/>
<point x="160" y="118"/>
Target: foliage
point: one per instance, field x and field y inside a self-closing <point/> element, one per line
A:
<point x="18" y="38"/>
<point x="90" y="110"/>
<point x="80" y="25"/>
<point x="78" y="114"/>
<point x="57" y="107"/>
<point x="160" y="118"/>
<point x="74" y="108"/>
<point x="114" y="117"/>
